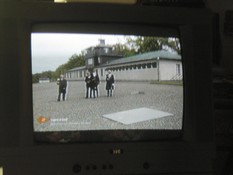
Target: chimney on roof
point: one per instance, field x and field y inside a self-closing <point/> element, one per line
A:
<point x="101" y="42"/>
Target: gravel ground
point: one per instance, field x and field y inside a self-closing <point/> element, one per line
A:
<point x="79" y="113"/>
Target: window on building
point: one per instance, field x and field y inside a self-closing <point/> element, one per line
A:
<point x="90" y="61"/>
<point x="154" y="65"/>
<point x="106" y="50"/>
<point x="148" y="65"/>
<point x="143" y="66"/>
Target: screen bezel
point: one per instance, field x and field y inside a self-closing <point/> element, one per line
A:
<point x="195" y="24"/>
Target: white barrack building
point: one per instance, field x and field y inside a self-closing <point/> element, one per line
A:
<point x="157" y="65"/>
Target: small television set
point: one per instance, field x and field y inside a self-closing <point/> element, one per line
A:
<point x="158" y="118"/>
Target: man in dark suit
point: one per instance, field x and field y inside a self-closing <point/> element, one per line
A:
<point x="88" y="84"/>
<point x="62" y="82"/>
<point x="96" y="81"/>
<point x="93" y="85"/>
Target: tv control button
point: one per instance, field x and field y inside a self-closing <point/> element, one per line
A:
<point x="110" y="166"/>
<point x="146" y="165"/>
<point x="94" y="167"/>
<point x="104" y="167"/>
<point x="77" y="168"/>
<point x="88" y="167"/>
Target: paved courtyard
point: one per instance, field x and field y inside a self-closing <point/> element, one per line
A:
<point x="79" y="113"/>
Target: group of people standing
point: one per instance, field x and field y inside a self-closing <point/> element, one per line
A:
<point x="92" y="82"/>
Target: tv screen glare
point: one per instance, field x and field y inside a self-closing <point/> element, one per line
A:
<point x="94" y="87"/>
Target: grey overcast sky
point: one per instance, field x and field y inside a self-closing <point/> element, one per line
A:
<point x="51" y="50"/>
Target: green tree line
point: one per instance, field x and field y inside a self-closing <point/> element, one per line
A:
<point x="140" y="44"/>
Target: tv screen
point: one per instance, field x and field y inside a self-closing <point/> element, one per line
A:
<point x="94" y="87"/>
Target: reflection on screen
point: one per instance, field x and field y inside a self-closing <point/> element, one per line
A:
<point x="87" y="82"/>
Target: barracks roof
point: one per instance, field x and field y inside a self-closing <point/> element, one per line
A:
<point x="77" y="68"/>
<point x="161" y="54"/>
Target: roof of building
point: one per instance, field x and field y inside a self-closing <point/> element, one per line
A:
<point x="78" y="68"/>
<point x="161" y="54"/>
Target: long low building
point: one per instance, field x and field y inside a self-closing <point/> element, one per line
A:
<point x="157" y="65"/>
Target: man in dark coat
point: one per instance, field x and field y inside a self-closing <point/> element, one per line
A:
<point x="88" y="84"/>
<point x="92" y="85"/>
<point x="96" y="82"/>
<point x="109" y="83"/>
<point x="62" y="82"/>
